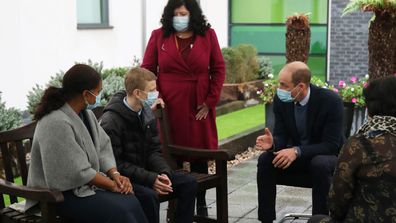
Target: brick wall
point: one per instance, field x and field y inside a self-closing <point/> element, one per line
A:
<point x="348" y="42"/>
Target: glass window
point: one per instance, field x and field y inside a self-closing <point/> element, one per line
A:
<point x="261" y="23"/>
<point x="92" y="13"/>
<point x="276" y="11"/>
<point x="272" y="39"/>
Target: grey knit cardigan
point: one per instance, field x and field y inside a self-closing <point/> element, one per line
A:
<point x="63" y="155"/>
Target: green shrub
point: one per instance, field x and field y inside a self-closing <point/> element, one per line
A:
<point x="34" y="97"/>
<point x="111" y="85"/>
<point x="234" y="65"/>
<point x="10" y="118"/>
<point x="249" y="54"/>
<point x="115" y="71"/>
<point x="98" y="66"/>
<point x="113" y="81"/>
<point x="241" y="63"/>
<point x="265" y="67"/>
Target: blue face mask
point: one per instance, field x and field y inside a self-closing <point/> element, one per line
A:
<point x="180" y="23"/>
<point x="98" y="98"/>
<point x="285" y="96"/>
<point x="152" y="96"/>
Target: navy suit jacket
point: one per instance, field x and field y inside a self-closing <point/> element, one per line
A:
<point x="324" y="123"/>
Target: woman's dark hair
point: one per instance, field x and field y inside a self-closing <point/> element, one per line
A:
<point x="380" y="96"/>
<point x="77" y="79"/>
<point x="198" y="23"/>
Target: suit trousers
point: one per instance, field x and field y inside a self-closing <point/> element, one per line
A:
<point x="321" y="168"/>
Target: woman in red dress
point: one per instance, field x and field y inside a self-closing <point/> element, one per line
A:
<point x="185" y="55"/>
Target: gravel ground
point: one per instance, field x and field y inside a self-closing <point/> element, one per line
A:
<point x="239" y="158"/>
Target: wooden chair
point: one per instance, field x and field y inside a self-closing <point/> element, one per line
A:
<point x="18" y="141"/>
<point x="205" y="181"/>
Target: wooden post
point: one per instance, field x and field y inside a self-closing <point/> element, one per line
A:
<point x="222" y="192"/>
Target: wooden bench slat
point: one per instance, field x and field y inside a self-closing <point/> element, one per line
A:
<point x="13" y="214"/>
<point x="21" y="157"/>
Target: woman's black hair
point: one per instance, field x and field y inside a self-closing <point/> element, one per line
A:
<point x="78" y="78"/>
<point x="198" y="23"/>
<point x="380" y="96"/>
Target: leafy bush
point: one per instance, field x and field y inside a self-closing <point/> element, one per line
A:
<point x="98" y="66"/>
<point x="34" y="97"/>
<point x="10" y="118"/>
<point x="113" y="81"/>
<point x="115" y="71"/>
<point x="249" y="54"/>
<point x="241" y="63"/>
<point x="111" y="85"/>
<point x="269" y="90"/>
<point x="265" y="67"/>
<point x="234" y="65"/>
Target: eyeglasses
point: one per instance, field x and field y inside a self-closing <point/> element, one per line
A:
<point x="100" y="92"/>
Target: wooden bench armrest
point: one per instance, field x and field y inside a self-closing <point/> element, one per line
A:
<point x="43" y="195"/>
<point x="200" y="153"/>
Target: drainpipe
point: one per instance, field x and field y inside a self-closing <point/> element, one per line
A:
<point x="144" y="26"/>
<point x="329" y="5"/>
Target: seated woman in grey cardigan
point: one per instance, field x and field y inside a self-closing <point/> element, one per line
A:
<point x="70" y="151"/>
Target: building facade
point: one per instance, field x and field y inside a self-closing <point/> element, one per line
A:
<point x="39" y="38"/>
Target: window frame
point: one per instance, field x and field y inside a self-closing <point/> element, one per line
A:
<point x="104" y="18"/>
<point x="327" y="24"/>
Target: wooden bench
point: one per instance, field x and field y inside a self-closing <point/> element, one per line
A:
<point x="19" y="140"/>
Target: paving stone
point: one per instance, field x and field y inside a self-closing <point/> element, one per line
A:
<point x="242" y="198"/>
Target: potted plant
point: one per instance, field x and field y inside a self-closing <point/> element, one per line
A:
<point x="298" y="36"/>
<point x="352" y="92"/>
<point x="267" y="95"/>
<point x="382" y="32"/>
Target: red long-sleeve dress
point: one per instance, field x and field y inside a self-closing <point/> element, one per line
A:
<point x="184" y="84"/>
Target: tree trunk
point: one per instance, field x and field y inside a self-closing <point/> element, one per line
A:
<point x="382" y="46"/>
<point x="298" y="36"/>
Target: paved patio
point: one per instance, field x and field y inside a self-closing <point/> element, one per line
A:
<point x="242" y="196"/>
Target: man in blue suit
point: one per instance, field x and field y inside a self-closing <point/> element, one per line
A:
<point x="307" y="138"/>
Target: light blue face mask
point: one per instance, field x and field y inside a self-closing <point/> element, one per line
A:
<point x="285" y="96"/>
<point x="152" y="96"/>
<point x="180" y="23"/>
<point x="98" y="98"/>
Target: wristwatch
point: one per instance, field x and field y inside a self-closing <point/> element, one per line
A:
<point x="296" y="151"/>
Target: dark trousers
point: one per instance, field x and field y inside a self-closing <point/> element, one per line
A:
<point x="184" y="188"/>
<point x="103" y="207"/>
<point x="320" y="167"/>
<point x="200" y="167"/>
